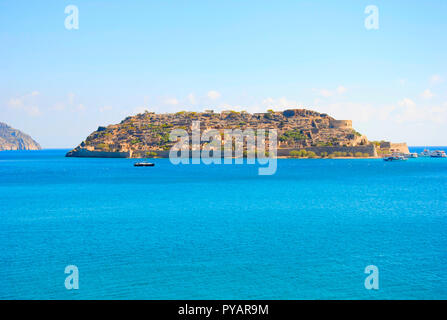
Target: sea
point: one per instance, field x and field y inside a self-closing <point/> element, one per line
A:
<point x="313" y="230"/>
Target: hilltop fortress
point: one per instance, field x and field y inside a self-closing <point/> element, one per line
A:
<point x="147" y="134"/>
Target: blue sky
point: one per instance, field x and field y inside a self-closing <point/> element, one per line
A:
<point x="59" y="85"/>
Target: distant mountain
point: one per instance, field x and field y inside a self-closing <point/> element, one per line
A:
<point x="13" y="139"/>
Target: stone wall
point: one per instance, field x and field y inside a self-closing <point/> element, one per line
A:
<point x="369" y="149"/>
<point x="143" y="154"/>
<point x="282" y="152"/>
<point x="285" y="152"/>
<point x="399" y="147"/>
<point x="341" y="124"/>
<point x="97" y="154"/>
<point x="390" y="147"/>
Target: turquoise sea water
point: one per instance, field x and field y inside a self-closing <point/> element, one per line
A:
<point x="221" y="231"/>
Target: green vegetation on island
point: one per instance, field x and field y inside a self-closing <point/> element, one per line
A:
<point x="300" y="132"/>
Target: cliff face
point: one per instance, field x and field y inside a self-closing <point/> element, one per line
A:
<point x="147" y="134"/>
<point x="13" y="139"/>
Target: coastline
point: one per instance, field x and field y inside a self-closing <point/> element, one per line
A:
<point x="413" y="149"/>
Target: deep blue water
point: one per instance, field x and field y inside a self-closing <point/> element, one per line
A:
<point x="221" y="231"/>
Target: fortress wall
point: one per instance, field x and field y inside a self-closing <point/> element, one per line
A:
<point x="389" y="147"/>
<point x="97" y="154"/>
<point x="399" y="147"/>
<point x="341" y="124"/>
<point x="369" y="149"/>
<point x="142" y="154"/>
<point x="282" y="152"/>
<point x="285" y="152"/>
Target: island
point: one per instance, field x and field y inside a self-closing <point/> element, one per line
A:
<point x="301" y="133"/>
<point x="13" y="139"/>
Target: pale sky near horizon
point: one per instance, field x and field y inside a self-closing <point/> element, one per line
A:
<point x="59" y="85"/>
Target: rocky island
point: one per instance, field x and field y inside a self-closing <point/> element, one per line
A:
<point x="301" y="133"/>
<point x="13" y="139"/>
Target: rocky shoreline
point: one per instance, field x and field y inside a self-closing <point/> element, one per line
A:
<point x="13" y="139"/>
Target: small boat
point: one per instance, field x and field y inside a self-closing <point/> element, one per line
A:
<point x="394" y="158"/>
<point x="438" y="154"/>
<point x="425" y="153"/>
<point x="144" y="164"/>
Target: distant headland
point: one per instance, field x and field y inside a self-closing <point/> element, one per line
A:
<point x="301" y="133"/>
<point x="13" y="139"/>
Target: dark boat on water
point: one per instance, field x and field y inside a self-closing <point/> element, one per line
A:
<point x="144" y="164"/>
<point x="394" y="158"/>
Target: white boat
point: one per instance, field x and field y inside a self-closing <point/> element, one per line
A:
<point x="433" y="154"/>
<point x="411" y="155"/>
<point x="143" y="164"/>
<point x="438" y="154"/>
